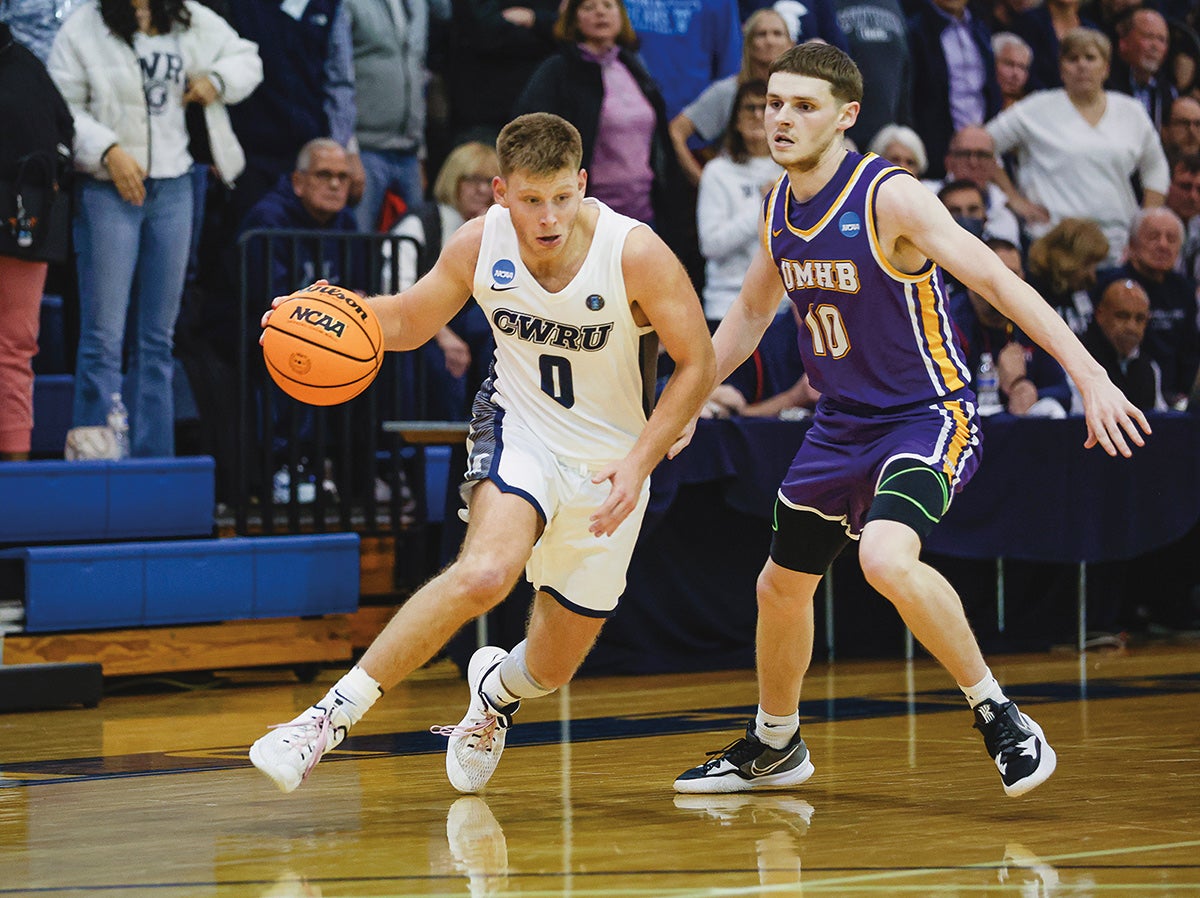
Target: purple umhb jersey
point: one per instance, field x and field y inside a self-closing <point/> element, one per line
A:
<point x="874" y="337"/>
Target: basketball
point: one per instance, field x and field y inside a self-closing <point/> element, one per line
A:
<point x="323" y="345"/>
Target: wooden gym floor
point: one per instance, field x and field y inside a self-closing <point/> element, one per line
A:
<point x="150" y="794"/>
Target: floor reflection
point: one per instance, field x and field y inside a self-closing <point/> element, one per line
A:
<point x="478" y="846"/>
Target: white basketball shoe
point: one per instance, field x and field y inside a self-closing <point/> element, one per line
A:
<point x="477" y="742"/>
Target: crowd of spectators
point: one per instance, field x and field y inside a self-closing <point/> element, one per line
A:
<point x="1060" y="112"/>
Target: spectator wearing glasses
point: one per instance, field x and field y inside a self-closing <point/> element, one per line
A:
<point x="457" y="359"/>
<point x="1181" y="132"/>
<point x="729" y="206"/>
<point x="314" y="197"/>
<point x="765" y="36"/>
<point x="1183" y="198"/>
<point x="1078" y="146"/>
<point x="954" y="74"/>
<point x="972" y="157"/>
<point x="1172" y="338"/>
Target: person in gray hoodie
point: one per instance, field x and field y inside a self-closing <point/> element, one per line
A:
<point x="390" y="41"/>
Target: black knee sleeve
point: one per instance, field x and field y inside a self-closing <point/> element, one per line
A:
<point x="912" y="493"/>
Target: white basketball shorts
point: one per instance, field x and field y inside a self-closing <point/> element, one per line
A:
<point x="582" y="572"/>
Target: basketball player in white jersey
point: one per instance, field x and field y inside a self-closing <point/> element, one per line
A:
<point x="560" y="450"/>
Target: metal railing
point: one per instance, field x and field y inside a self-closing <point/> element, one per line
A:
<point x="300" y="468"/>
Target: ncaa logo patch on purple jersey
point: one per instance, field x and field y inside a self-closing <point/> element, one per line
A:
<point x="849" y="224"/>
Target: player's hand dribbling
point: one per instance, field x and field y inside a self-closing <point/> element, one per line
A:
<point x="320" y="282"/>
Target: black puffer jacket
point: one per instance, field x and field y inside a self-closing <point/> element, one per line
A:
<point x="571" y="86"/>
<point x="33" y="116"/>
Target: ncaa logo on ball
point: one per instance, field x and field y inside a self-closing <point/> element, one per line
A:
<point x="504" y="274"/>
<point x="300" y="363"/>
<point x="318" y="318"/>
<point x="849" y="225"/>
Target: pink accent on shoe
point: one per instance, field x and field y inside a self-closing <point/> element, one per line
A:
<point x="323" y="725"/>
<point x="485" y="728"/>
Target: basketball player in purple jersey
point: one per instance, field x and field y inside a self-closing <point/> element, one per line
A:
<point x="857" y="243"/>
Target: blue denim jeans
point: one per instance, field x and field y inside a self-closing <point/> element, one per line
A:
<point x="132" y="261"/>
<point x="387" y="168"/>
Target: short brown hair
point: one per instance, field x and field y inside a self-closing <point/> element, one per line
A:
<point x="566" y="27"/>
<point x="539" y="143"/>
<point x="826" y="62"/>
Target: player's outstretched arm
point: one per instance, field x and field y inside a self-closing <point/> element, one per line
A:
<point x="751" y="314"/>
<point x="661" y="295"/>
<point x="413" y="317"/>
<point x="914" y="225"/>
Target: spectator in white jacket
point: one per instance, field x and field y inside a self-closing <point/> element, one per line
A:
<point x="729" y="206"/>
<point x="134" y="204"/>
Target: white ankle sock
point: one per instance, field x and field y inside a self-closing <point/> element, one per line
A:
<point x="984" y="689"/>
<point x="353" y="694"/>
<point x="775" y="731"/>
<point x="510" y="680"/>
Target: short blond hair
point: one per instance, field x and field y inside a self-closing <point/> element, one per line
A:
<point x="539" y="143"/>
<point x="464" y="159"/>
<point x="1077" y="40"/>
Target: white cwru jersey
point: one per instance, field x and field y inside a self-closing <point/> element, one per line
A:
<point x="568" y="365"/>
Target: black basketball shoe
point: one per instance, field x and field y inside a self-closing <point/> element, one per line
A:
<point x="749" y="764"/>
<point x="1017" y="744"/>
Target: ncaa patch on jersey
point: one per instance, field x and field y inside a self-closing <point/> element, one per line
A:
<point x="504" y="274"/>
<point x="850" y="225"/>
<point x="595" y="302"/>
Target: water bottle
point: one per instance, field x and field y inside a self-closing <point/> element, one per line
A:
<point x="987" y="386"/>
<point x="118" y="423"/>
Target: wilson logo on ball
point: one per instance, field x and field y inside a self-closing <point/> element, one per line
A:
<point x="320" y="319"/>
<point x="348" y="299"/>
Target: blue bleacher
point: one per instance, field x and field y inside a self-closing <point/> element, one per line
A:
<point x="143" y="584"/>
<point x="119" y="579"/>
<point x="58" y="501"/>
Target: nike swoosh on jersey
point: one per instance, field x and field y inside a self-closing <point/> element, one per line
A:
<point x="762" y="771"/>
<point x="502" y="289"/>
<point x="776" y="233"/>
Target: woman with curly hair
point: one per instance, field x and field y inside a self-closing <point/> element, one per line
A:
<point x="128" y="69"/>
<point x="1062" y="267"/>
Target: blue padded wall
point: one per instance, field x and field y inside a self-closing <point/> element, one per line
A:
<point x="186" y="581"/>
<point x="47" y="501"/>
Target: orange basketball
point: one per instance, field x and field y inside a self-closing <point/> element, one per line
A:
<point x="323" y="345"/>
